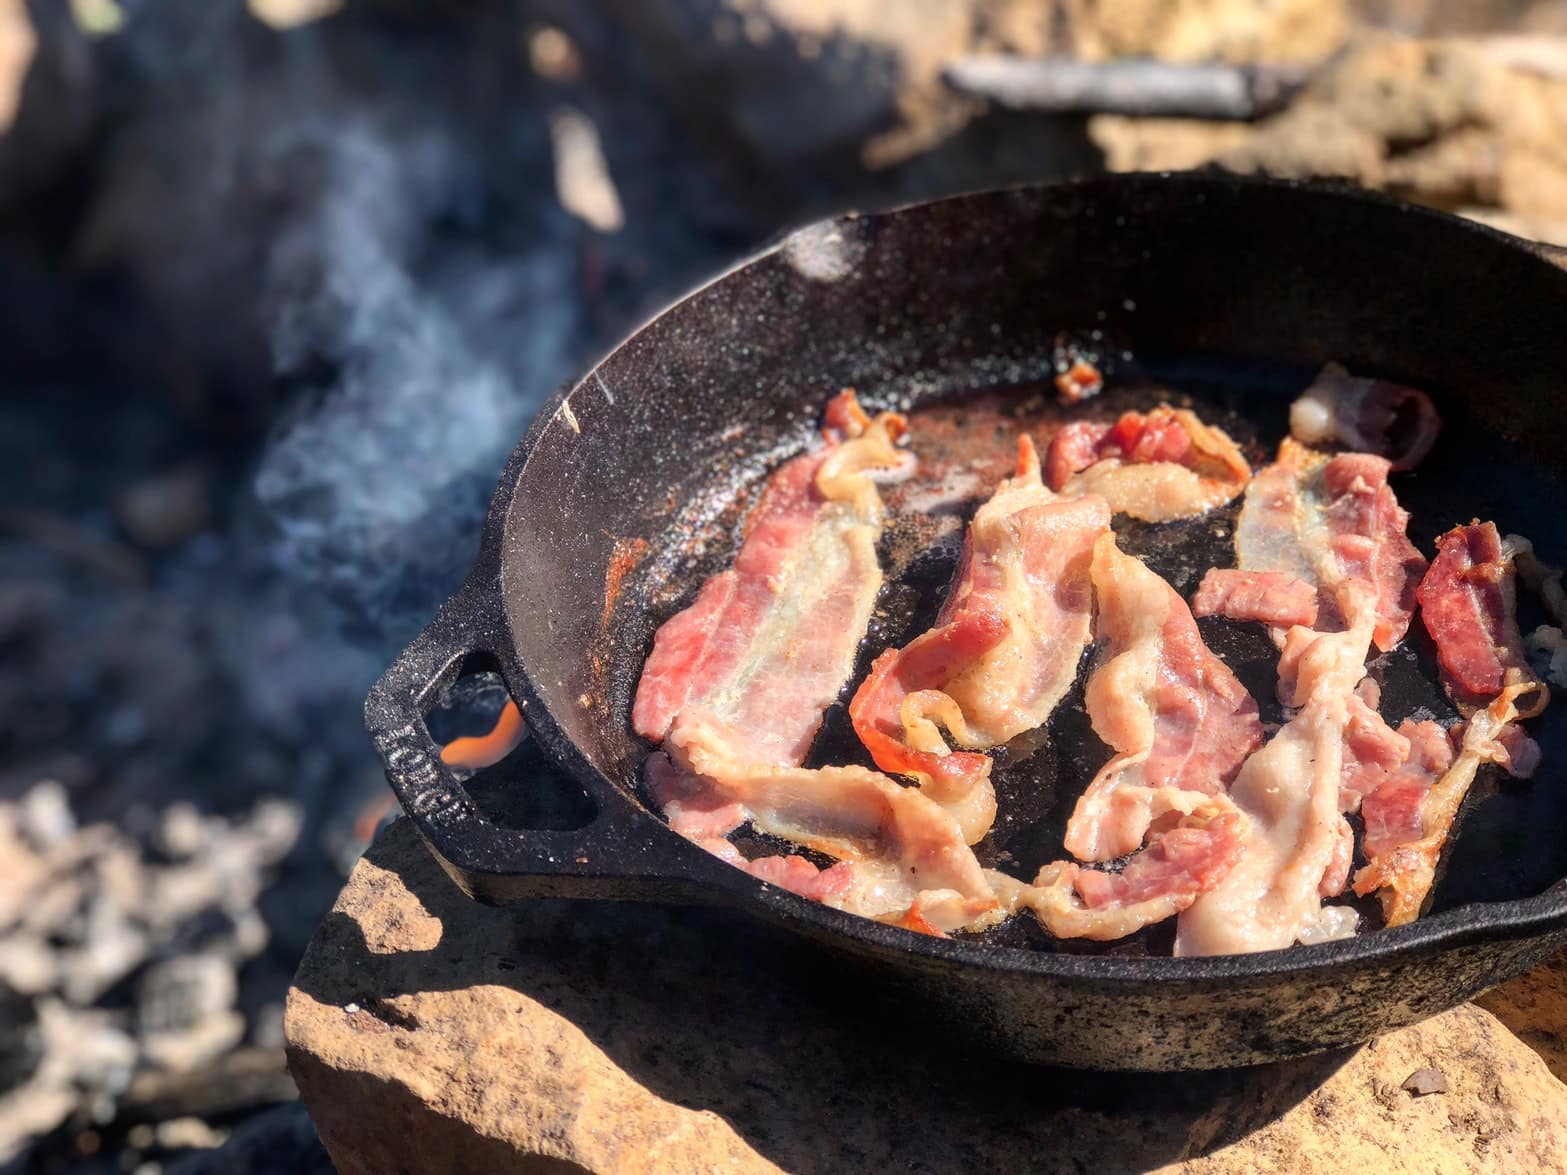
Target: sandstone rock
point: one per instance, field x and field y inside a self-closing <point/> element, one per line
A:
<point x="428" y="1033"/>
<point x="1454" y="124"/>
<point x="1535" y="1007"/>
<point x="1204" y="30"/>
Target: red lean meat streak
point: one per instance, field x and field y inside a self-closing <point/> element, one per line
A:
<point x="1269" y="596"/>
<point x="1466" y="604"/>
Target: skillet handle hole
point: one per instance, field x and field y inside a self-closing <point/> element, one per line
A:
<point x="484" y="741"/>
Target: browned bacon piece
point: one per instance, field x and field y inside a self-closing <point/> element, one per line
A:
<point x="1276" y="599"/>
<point x="1366" y="415"/>
<point x="1003" y="651"/>
<point x="1467" y="605"/>
<point x="1157" y="466"/>
<point x="1079" y="382"/>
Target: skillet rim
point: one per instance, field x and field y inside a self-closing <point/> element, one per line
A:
<point x="1472" y="923"/>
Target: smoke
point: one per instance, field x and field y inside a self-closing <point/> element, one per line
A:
<point x="419" y="374"/>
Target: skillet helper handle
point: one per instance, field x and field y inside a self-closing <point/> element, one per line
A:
<point x="616" y="855"/>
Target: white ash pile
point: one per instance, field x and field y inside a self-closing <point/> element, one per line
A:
<point x="121" y="952"/>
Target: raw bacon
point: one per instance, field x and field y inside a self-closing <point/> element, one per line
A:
<point x="1367" y="415"/>
<point x="1074" y="902"/>
<point x="1334" y="522"/>
<point x="769" y="643"/>
<point x="1391" y="806"/>
<point x="1176" y="716"/>
<point x="1413" y="825"/>
<point x="1003" y="651"/>
<point x="1467" y="604"/>
<point x="737" y="684"/>
<point x="898" y="851"/>
<point x="1181" y="725"/>
<point x="1289" y="790"/>
<point x="1156" y="466"/>
<point x="1276" y="599"/>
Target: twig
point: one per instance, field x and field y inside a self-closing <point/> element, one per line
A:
<point x="1134" y="86"/>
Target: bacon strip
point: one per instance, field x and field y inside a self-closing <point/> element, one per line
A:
<point x="1414" y="828"/>
<point x="1289" y="790"/>
<point x="1467" y="604"/>
<point x="737" y="684"/>
<point x="1178" y="719"/>
<point x="1003" y="651"/>
<point x="1367" y="415"/>
<point x="901" y="856"/>
<point x="1276" y="599"/>
<point x="1181" y="725"/>
<point x="1157" y="466"/>
<point x="1334" y="523"/>
<point x="1161" y="881"/>
<point x="769" y="643"/>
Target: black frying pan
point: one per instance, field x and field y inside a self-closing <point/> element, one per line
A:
<point x="1227" y="291"/>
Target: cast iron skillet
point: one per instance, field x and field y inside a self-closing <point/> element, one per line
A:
<point x="1228" y="290"/>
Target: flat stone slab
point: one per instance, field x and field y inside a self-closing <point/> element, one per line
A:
<point x="428" y="1033"/>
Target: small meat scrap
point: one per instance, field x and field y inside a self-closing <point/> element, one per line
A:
<point x="1367" y="415"/>
<point x="1467" y="602"/>
<point x="1078" y="377"/>
<point x="1276" y="599"/>
<point x="1079" y="382"/>
<point x="1002" y="653"/>
<point x="1157" y="466"/>
<point x="1181" y="725"/>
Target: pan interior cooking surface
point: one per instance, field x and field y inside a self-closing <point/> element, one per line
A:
<point x="1503" y="849"/>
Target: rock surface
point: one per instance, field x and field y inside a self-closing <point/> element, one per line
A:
<point x="1534" y="1006"/>
<point x="428" y="1033"/>
<point x="1475" y="125"/>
